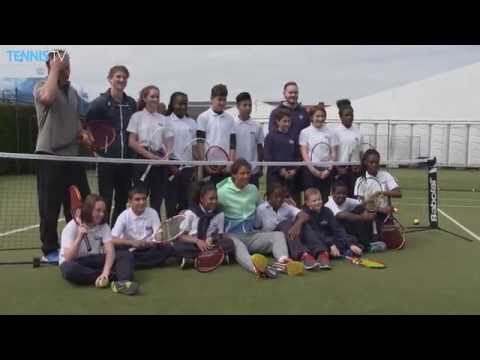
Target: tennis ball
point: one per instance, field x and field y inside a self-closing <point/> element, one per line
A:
<point x="416" y="221"/>
<point x="101" y="282"/>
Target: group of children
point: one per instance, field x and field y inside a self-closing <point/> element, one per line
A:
<point x="230" y="214"/>
<point x="228" y="209"/>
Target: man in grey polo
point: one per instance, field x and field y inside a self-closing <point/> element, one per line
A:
<point x="57" y="107"/>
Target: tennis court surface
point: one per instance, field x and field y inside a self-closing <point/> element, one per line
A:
<point x="437" y="273"/>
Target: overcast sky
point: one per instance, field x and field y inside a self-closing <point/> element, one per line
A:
<point x="324" y="73"/>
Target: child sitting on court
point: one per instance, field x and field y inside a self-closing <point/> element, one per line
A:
<point x="322" y="235"/>
<point x="390" y="188"/>
<point x="135" y="227"/>
<point x="352" y="215"/>
<point x="87" y="255"/>
<point x="275" y="214"/>
<point x="203" y="227"/>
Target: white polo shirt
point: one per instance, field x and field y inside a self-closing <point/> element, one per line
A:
<point x="386" y="180"/>
<point x="97" y="236"/>
<point x="218" y="128"/>
<point x="190" y="224"/>
<point x="185" y="132"/>
<point x="249" y="135"/>
<point x="348" y="205"/>
<point x="267" y="219"/>
<point x="311" y="136"/>
<point x="348" y="140"/>
<point x="132" y="227"/>
<point x="144" y="123"/>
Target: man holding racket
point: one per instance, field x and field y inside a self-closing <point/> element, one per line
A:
<point x="57" y="109"/>
<point x="299" y="120"/>
<point x="115" y="108"/>
<point x="218" y="128"/>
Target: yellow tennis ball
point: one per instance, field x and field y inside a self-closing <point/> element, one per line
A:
<point x="101" y="282"/>
<point x="416" y="221"/>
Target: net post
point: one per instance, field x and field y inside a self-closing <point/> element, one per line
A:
<point x="432" y="193"/>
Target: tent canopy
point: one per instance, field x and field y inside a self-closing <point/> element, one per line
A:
<point x="449" y="96"/>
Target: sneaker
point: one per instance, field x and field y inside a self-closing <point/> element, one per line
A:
<point x="377" y="246"/>
<point x="269" y="273"/>
<point x="125" y="287"/>
<point x="309" y="261"/>
<point x="323" y="260"/>
<point x="51" y="257"/>
<point x="187" y="263"/>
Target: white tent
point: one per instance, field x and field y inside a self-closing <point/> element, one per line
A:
<point x="438" y="116"/>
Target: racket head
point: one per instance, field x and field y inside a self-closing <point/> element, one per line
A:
<point x="75" y="202"/>
<point x="195" y="149"/>
<point x="372" y="264"/>
<point x="370" y="192"/>
<point x="162" y="141"/>
<point x="216" y="153"/>
<point x="393" y="233"/>
<point x="321" y="152"/>
<point x="209" y="260"/>
<point x="103" y="134"/>
<point x="169" y="230"/>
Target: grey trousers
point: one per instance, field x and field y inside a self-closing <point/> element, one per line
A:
<point x="258" y="242"/>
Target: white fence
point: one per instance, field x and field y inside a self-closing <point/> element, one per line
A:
<point x="455" y="144"/>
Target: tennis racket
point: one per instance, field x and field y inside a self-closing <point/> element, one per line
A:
<point x="161" y="143"/>
<point x="75" y="209"/>
<point x="370" y="191"/>
<point x="321" y="152"/>
<point x="393" y="233"/>
<point x="102" y="136"/>
<point x="216" y="153"/>
<point x="194" y="149"/>
<point x="371" y="264"/>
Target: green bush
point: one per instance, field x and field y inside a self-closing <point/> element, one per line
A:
<point x="18" y="133"/>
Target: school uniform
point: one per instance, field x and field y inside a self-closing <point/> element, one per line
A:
<point x="362" y="230"/>
<point x="203" y="224"/>
<point x="249" y="135"/>
<point x="267" y="219"/>
<point x="88" y="265"/>
<point x="309" y="137"/>
<point x="114" y="178"/>
<point x="178" y="191"/>
<point x="279" y="147"/>
<point x="141" y="227"/>
<point x="322" y="231"/>
<point x="143" y="123"/>
<point x="219" y="130"/>
<point x="388" y="183"/>
<point x="348" y="141"/>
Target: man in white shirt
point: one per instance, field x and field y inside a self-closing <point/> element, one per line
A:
<point x="134" y="231"/>
<point x="250" y="136"/>
<point x="217" y="127"/>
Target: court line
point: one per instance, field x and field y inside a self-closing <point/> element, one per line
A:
<point x="471" y="233"/>
<point x="11" y="232"/>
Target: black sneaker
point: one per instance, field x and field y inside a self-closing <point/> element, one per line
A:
<point x="125" y="287"/>
<point x="187" y="263"/>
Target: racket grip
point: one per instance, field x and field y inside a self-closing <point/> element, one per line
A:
<point x="144" y="175"/>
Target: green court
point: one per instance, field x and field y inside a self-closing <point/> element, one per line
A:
<point x="437" y="273"/>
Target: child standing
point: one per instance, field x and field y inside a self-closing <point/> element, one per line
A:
<point x="249" y="135"/>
